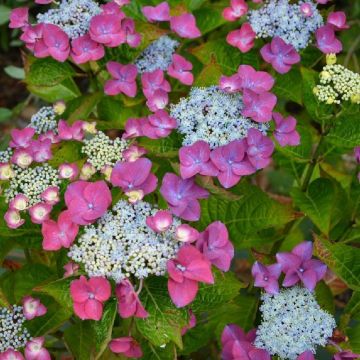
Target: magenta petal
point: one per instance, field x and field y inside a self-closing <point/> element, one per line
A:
<point x="309" y="279"/>
<point x="291" y="278"/>
<point x="303" y="250"/>
<point x="183" y="293"/>
<point x="288" y="261"/>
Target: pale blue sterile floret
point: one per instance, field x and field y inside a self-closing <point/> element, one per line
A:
<point x="212" y="115"/>
<point x="293" y="322"/>
<point x="72" y="16"/>
<point x="157" y="56"/>
<point x="280" y="18"/>
<point x="120" y="244"/>
<point x="44" y="120"/>
<point x="13" y="334"/>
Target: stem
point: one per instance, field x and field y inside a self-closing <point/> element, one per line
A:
<point x="141" y="283"/>
<point x="28" y="255"/>
<point x="335" y="345"/>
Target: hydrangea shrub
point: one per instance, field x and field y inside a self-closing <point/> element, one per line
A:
<point x="188" y="187"/>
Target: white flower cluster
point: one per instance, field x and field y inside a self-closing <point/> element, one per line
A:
<point x="101" y="150"/>
<point x="5" y="155"/>
<point x="44" y="120"/>
<point x="337" y="84"/>
<point x="31" y="182"/>
<point x="121" y="244"/>
<point x="13" y="335"/>
<point x="212" y="115"/>
<point x="293" y="322"/>
<point x="158" y="55"/>
<point x="72" y="16"/>
<point x="280" y="18"/>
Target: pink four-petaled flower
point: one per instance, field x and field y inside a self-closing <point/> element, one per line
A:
<point x="124" y="79"/>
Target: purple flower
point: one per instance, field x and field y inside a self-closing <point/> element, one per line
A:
<point x="158" y="100"/>
<point x="237" y="9"/>
<point x="158" y="125"/>
<point x="134" y="177"/>
<point x="161" y="12"/>
<point x="258" y="107"/>
<point x="257" y="81"/>
<point x="326" y="40"/>
<point x="19" y="17"/>
<point x="133" y="39"/>
<point x="180" y="69"/>
<point x="214" y="243"/>
<point x="357" y="154"/>
<point x="152" y="81"/>
<point x="231" y="162"/>
<point x="346" y="355"/>
<point x="285" y="132"/>
<point x="134" y="128"/>
<point x="260" y="149"/>
<point x="41" y="150"/>
<point x="338" y="20"/>
<point x="182" y="196"/>
<point x="55" y="43"/>
<point x="267" y="277"/>
<point x="189" y="267"/>
<point x="84" y="49"/>
<point x="128" y="301"/>
<point x="299" y="266"/>
<point x="307" y="355"/>
<point x="21" y="138"/>
<point x="243" y="39"/>
<point x="238" y="346"/>
<point x="160" y="222"/>
<point x="106" y="29"/>
<point x="280" y="55"/>
<point x="185" y="26"/>
<point x="124" y="79"/>
<point x="195" y="159"/>
<point x="230" y="84"/>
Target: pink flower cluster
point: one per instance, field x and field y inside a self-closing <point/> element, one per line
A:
<point x="110" y="28"/>
<point x="242" y="157"/>
<point x="278" y="53"/>
<point x="297" y="265"/>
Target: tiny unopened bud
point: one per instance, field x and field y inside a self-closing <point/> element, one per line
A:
<point x="331" y="59"/>
<point x="59" y="107"/>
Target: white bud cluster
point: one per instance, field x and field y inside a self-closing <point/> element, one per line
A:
<point x="121" y="244"/>
<point x="280" y="18"/>
<point x="101" y="150"/>
<point x="72" y="16"/>
<point x="31" y="182"/>
<point x="13" y="335"/>
<point x="212" y="115"/>
<point x="293" y="322"/>
<point x="5" y="155"/>
<point x="158" y="55"/>
<point x="337" y="84"/>
<point x="44" y="120"/>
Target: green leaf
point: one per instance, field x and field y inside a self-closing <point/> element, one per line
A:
<point x="81" y="107"/>
<point x="227" y="57"/>
<point x="103" y="327"/>
<point x="67" y="90"/>
<point x="354" y="338"/>
<point x="69" y="151"/>
<point x="225" y="288"/>
<point x="80" y="340"/>
<point x="245" y="217"/>
<point x="5" y="114"/>
<point x="323" y="203"/>
<point x="353" y="306"/>
<point x="4" y="14"/>
<point x="210" y="75"/>
<point x="59" y="290"/>
<point x="324" y="297"/>
<point x="21" y="283"/>
<point x="209" y="18"/>
<point x="15" y="72"/>
<point x="165" y="321"/>
<point x="318" y="111"/>
<point x="343" y="260"/>
<point x="346" y="131"/>
<point x="54" y="318"/>
<point x="164" y="147"/>
<point x="288" y="86"/>
<point x="48" y="72"/>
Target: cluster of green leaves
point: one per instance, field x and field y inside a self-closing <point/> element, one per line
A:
<point x="310" y="192"/>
